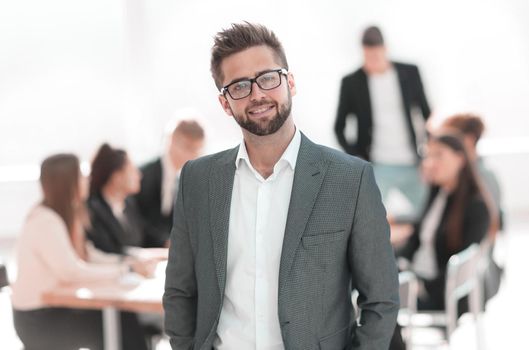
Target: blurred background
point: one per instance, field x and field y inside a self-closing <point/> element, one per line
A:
<point x="74" y="74"/>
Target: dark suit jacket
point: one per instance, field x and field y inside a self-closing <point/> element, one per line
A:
<point x="476" y="221"/>
<point x="149" y="202"/>
<point x="355" y="101"/>
<point x="107" y="233"/>
<point x="336" y="238"/>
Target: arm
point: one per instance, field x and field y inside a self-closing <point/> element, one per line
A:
<point x="476" y="222"/>
<point x="344" y="108"/>
<point x="56" y="251"/>
<point x="99" y="257"/>
<point x="374" y="268"/>
<point x="180" y="297"/>
<point x="155" y="236"/>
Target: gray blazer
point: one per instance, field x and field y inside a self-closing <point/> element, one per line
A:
<point x="336" y="239"/>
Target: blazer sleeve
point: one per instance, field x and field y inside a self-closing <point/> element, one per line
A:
<point x="476" y="223"/>
<point x="374" y="269"/>
<point x="180" y="297"/>
<point x="345" y="106"/>
<point x="423" y="102"/>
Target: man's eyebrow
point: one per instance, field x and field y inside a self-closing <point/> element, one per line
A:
<point x="247" y="78"/>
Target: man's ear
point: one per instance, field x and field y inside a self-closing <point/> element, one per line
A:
<point x="225" y="105"/>
<point x="291" y="84"/>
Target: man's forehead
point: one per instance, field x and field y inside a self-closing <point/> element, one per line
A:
<point x="249" y="63"/>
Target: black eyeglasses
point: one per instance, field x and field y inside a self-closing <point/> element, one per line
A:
<point x="243" y="88"/>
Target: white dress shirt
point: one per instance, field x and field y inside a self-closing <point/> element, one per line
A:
<point x="391" y="136"/>
<point x="169" y="185"/>
<point x="258" y="216"/>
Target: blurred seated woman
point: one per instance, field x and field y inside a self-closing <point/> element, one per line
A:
<point x="457" y="214"/>
<point x="51" y="250"/>
<point x="115" y="222"/>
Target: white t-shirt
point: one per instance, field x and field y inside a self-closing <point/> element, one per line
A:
<point x="391" y="138"/>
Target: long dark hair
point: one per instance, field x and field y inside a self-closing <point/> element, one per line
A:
<point x="59" y="178"/>
<point x="468" y="186"/>
<point x="106" y="162"/>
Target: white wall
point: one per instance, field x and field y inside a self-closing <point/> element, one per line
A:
<point x="76" y="73"/>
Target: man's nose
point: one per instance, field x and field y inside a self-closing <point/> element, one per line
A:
<point x="256" y="93"/>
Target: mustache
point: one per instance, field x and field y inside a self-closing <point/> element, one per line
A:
<point x="261" y="103"/>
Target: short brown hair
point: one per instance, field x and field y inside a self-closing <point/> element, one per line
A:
<point x="189" y="128"/>
<point x="467" y="124"/>
<point x="372" y="37"/>
<point x="239" y="37"/>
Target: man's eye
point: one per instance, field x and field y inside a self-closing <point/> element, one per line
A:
<point x="267" y="77"/>
<point x="240" y="86"/>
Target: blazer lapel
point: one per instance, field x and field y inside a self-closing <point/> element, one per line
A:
<point x="220" y="191"/>
<point x="365" y="97"/>
<point x="308" y="177"/>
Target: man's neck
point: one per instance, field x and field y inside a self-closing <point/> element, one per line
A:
<point x="378" y="70"/>
<point x="265" y="151"/>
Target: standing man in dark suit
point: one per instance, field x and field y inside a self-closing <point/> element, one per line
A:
<point x="270" y="237"/>
<point x="160" y="180"/>
<point x="388" y="103"/>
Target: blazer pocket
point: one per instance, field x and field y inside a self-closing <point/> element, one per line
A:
<point x="323" y="238"/>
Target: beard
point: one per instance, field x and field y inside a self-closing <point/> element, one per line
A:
<point x="266" y="126"/>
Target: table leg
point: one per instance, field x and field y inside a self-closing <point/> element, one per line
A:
<point x="111" y="328"/>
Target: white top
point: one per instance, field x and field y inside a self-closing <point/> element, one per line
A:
<point x="391" y="138"/>
<point x="258" y="216"/>
<point x="169" y="185"/>
<point x="46" y="258"/>
<point x="424" y="261"/>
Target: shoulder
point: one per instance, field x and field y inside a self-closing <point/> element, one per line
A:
<point x="353" y="76"/>
<point x="476" y="201"/>
<point x="477" y="208"/>
<point x="41" y="213"/>
<point x="406" y="67"/>
<point x="337" y="157"/>
<point x="338" y="160"/>
<point x="204" y="163"/>
<point x="43" y="219"/>
<point x="152" y="166"/>
<point x="97" y="206"/>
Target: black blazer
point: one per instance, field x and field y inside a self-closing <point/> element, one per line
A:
<point x="149" y="201"/>
<point x="107" y="232"/>
<point x="355" y="99"/>
<point x="476" y="222"/>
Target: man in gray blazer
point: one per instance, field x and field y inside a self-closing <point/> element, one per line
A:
<point x="269" y="238"/>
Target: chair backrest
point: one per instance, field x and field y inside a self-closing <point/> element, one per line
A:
<point x="462" y="279"/>
<point x="408" y="291"/>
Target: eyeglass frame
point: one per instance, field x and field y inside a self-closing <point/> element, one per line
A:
<point x="281" y="71"/>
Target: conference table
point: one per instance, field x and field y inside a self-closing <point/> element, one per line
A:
<point x="131" y="293"/>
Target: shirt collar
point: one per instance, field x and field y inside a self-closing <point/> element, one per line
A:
<point x="167" y="167"/>
<point x="290" y="156"/>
